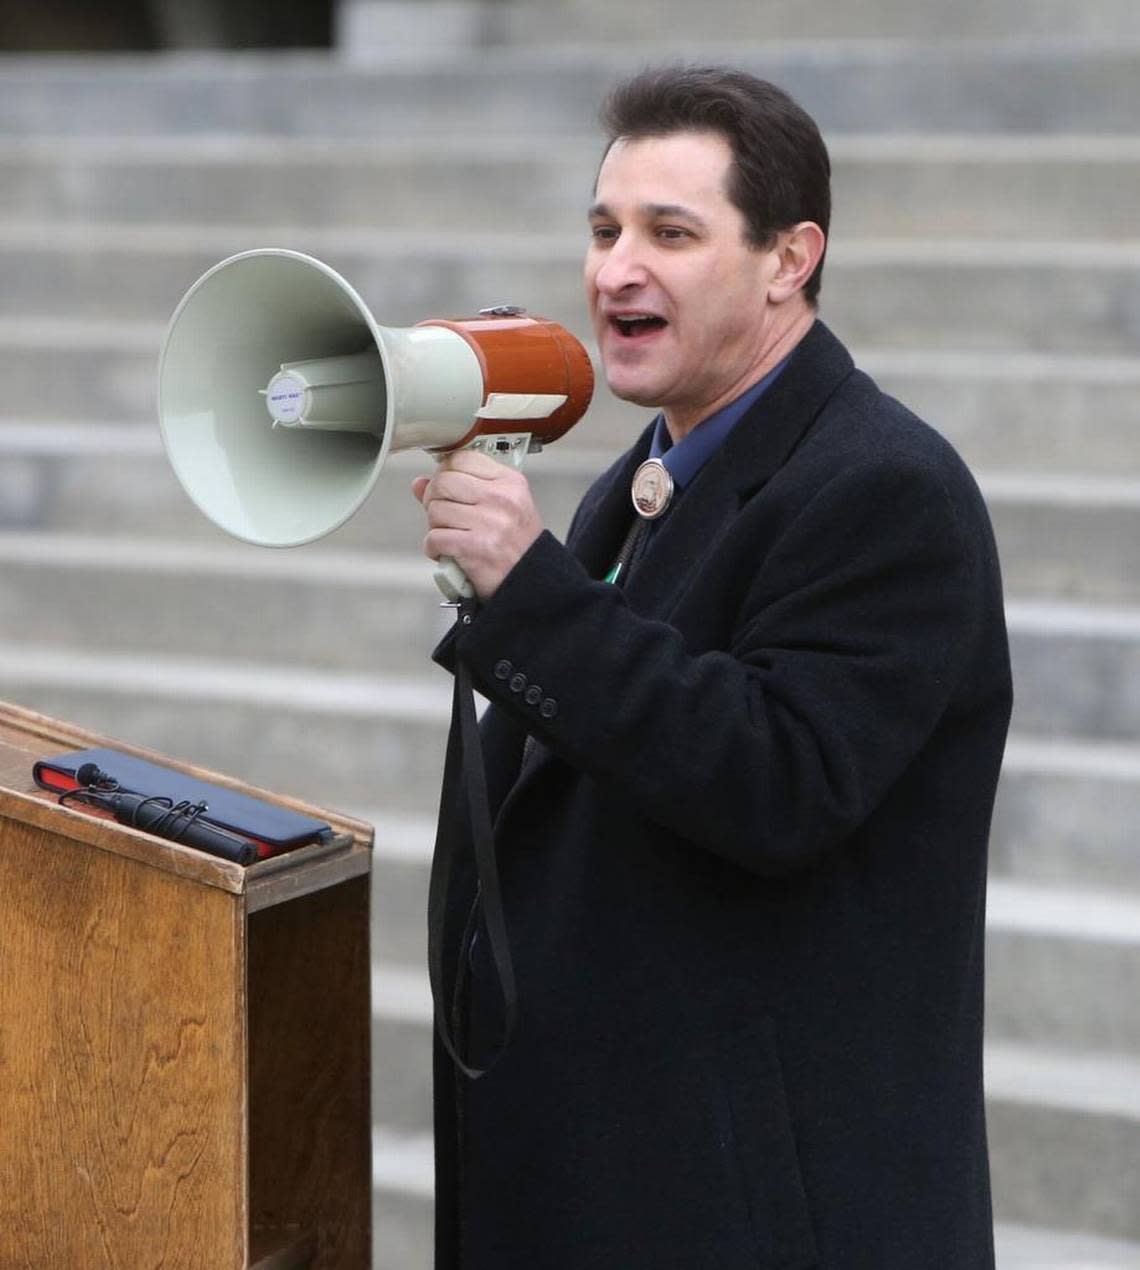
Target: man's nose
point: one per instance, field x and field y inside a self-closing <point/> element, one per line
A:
<point x="622" y="267"/>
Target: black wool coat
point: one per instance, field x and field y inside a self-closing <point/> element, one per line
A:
<point x="743" y="865"/>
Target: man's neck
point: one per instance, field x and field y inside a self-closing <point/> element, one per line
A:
<point x="680" y="424"/>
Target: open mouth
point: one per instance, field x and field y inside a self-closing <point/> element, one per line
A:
<point x="631" y="327"/>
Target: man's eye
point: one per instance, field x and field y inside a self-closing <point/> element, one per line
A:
<point x="603" y="233"/>
<point x="671" y="233"/>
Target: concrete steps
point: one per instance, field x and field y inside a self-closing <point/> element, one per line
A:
<point x="544" y="21"/>
<point x="1060" y="535"/>
<point x="1063" y="968"/>
<point x="1051" y="952"/>
<point x="1004" y="410"/>
<point x="1036" y="1248"/>
<point x="922" y="186"/>
<point x="323" y="735"/>
<point x="1078" y="668"/>
<point x="1064" y="1134"/>
<point x="1054" y="1114"/>
<point x="1064" y="1138"/>
<point x="1067" y="812"/>
<point x="985" y="268"/>
<point x="1064" y="1128"/>
<point x="1054" y="84"/>
<point x="1076" y="665"/>
<point x="877" y="292"/>
<point x="1062" y="814"/>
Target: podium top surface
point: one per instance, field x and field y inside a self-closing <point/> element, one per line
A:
<point x="26" y="736"/>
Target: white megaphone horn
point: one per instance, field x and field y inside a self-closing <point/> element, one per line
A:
<point x="280" y="396"/>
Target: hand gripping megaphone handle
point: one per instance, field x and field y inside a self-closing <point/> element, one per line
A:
<point x="510" y="448"/>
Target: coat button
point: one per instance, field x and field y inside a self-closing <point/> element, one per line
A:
<point x="502" y="669"/>
<point x="549" y="708"/>
<point x="518" y="682"/>
<point x="533" y="695"/>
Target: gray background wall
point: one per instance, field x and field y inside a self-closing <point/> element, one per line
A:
<point x="985" y="265"/>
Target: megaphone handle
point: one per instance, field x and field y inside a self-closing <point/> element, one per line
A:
<point x="453" y="583"/>
<point x="511" y="449"/>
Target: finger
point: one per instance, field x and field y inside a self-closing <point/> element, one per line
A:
<point x="444" y="542"/>
<point x="445" y="514"/>
<point x="456" y="487"/>
<point x="473" y="463"/>
<point x="418" y="486"/>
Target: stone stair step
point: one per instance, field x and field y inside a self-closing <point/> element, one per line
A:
<point x="1064" y="1135"/>
<point x="1036" y="1248"/>
<point x="1044" y="296"/>
<point x="402" y="1217"/>
<point x="111" y="371"/>
<point x="330" y="737"/>
<point x="1060" y="535"/>
<point x="349" y="611"/>
<point x="1076" y="664"/>
<point x="1064" y="1126"/>
<point x="1076" y="669"/>
<point x="400" y="867"/>
<point x="1067" y="812"/>
<point x="1063" y="968"/>
<point x="1064" y="808"/>
<point x="403" y="1181"/>
<point x="1066" y="537"/>
<point x="1004" y="410"/>
<point x="1024" y="85"/>
<point x="1008" y="411"/>
<point x="582" y="21"/>
<point x="924" y="186"/>
<point x="1062" y="961"/>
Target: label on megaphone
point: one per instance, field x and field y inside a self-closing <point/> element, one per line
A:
<point x="520" y="405"/>
<point x="285" y="398"/>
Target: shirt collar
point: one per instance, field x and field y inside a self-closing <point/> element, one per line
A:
<point x="685" y="459"/>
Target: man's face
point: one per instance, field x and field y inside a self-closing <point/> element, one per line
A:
<point x="668" y="246"/>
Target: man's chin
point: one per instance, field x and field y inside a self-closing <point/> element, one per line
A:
<point x="637" y="394"/>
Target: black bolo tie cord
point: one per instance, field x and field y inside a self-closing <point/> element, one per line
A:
<point x="464" y="800"/>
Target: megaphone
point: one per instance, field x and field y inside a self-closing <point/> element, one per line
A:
<point x="280" y="396"/>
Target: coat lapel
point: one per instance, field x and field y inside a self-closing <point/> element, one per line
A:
<point x="753" y="452"/>
<point x="597" y="536"/>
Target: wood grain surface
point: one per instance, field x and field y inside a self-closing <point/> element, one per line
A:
<point x="309" y="1114"/>
<point x="122" y="1056"/>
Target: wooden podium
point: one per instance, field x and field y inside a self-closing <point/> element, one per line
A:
<point x="184" y="1042"/>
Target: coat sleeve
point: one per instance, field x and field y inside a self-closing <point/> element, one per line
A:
<point x="843" y="655"/>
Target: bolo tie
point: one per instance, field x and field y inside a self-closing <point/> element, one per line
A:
<point x="651" y="492"/>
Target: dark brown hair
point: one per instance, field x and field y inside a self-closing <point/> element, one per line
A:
<point x="781" y="174"/>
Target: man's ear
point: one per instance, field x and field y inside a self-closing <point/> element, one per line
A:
<point x="799" y="250"/>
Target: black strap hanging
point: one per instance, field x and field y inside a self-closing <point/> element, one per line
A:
<point x="464" y="774"/>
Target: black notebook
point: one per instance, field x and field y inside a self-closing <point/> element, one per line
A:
<point x="278" y="828"/>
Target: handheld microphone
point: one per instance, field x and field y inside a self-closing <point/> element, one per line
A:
<point x="156" y="815"/>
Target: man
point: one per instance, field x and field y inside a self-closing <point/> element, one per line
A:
<point x="743" y="848"/>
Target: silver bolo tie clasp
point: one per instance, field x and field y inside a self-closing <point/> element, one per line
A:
<point x="651" y="489"/>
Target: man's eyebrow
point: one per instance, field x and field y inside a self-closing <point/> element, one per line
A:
<point x="658" y="210"/>
<point x="652" y="211"/>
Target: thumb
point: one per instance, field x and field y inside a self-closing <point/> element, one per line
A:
<point x="418" y="486"/>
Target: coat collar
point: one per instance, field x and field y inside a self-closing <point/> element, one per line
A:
<point x="753" y="452"/>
